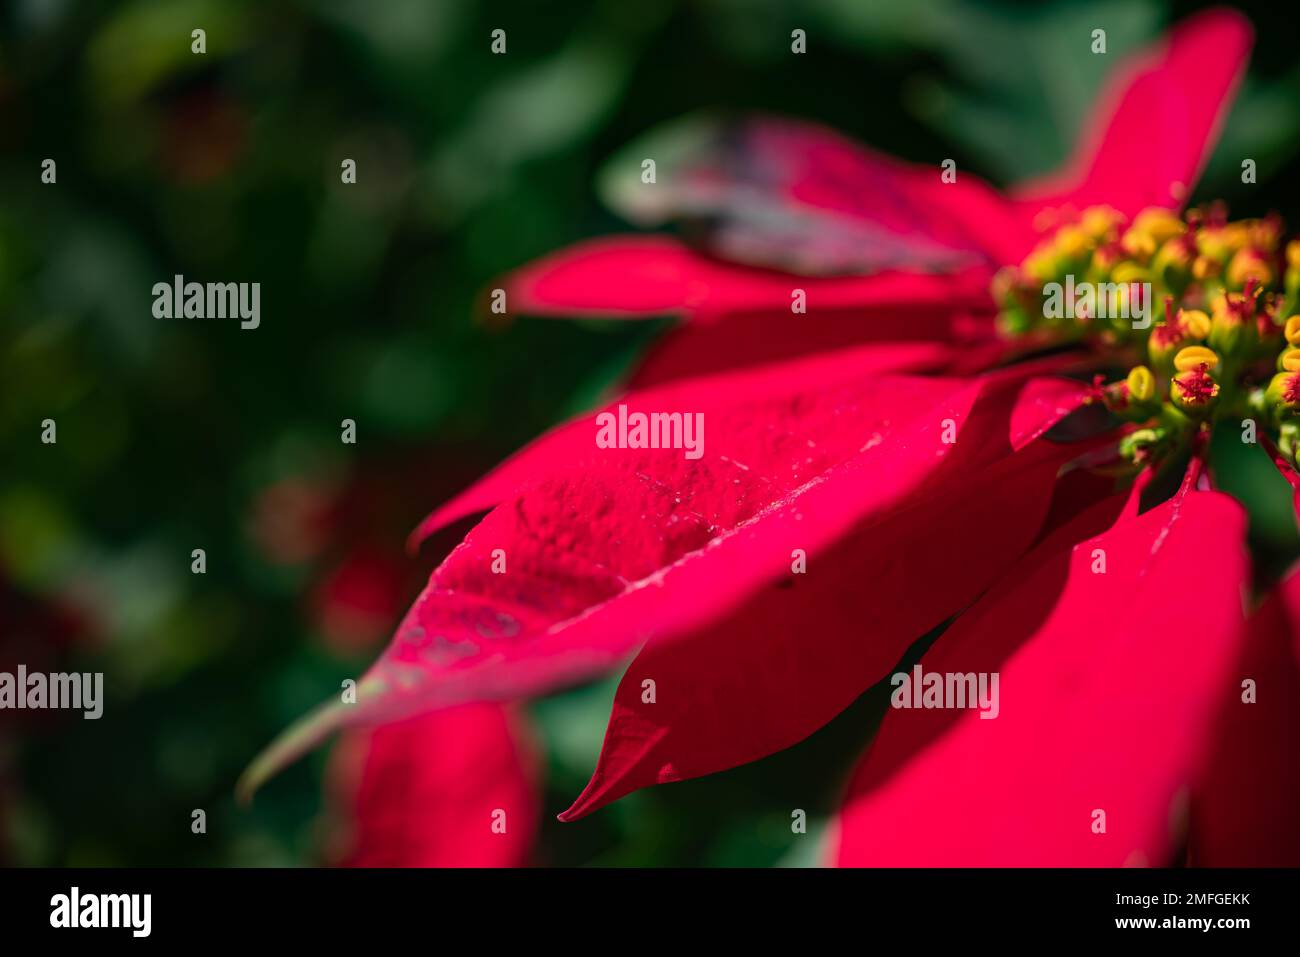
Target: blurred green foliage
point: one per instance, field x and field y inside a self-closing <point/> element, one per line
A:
<point x="226" y="166"/>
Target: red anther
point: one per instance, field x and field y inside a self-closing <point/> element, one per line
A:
<point x="1167" y="334"/>
<point x="1291" y="394"/>
<point x="1196" y="386"/>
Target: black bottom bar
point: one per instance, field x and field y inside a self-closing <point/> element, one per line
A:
<point x="374" y="907"/>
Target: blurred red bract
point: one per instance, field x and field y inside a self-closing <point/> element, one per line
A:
<point x="457" y="788"/>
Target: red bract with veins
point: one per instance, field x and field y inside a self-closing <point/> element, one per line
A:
<point x="939" y="439"/>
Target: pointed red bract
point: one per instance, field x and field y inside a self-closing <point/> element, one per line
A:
<point x="807" y="646"/>
<point x="457" y="788"/>
<point x="1244" y="810"/>
<point x="792" y="195"/>
<point x="642" y="276"/>
<point x="635" y="543"/>
<point x="1108" y="686"/>
<point x="907" y="208"/>
<point x="1153" y="129"/>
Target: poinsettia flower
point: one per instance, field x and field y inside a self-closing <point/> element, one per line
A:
<point x="455" y="788"/>
<point x="844" y="505"/>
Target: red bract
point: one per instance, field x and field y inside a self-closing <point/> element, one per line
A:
<point x="1146" y="703"/>
<point x="742" y="316"/>
<point x="1244" y="802"/>
<point x="451" y="789"/>
<point x="845" y="505"/>
<point x="796" y="655"/>
<point x="1108" y="692"/>
<point x="603" y="549"/>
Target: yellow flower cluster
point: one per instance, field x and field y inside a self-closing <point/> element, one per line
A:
<point x="1206" y="306"/>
